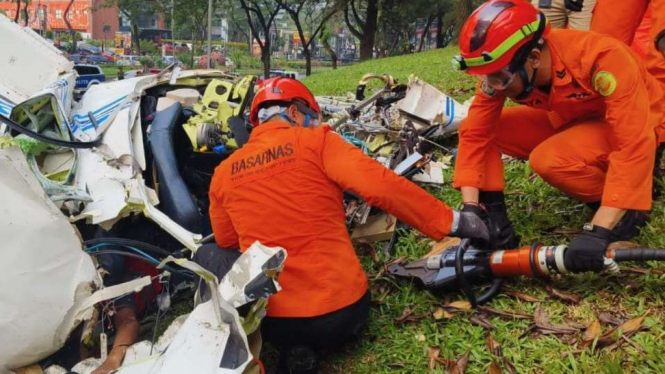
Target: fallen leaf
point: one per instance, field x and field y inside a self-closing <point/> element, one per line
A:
<point x="502" y="313"/>
<point x="405" y="314"/>
<point x="438" y="313"/>
<point x="528" y="330"/>
<point x="522" y="296"/>
<point x="421" y="338"/>
<point x="622" y="245"/>
<point x="634" y="270"/>
<point x="432" y="354"/>
<point x="493" y="346"/>
<point x="481" y="320"/>
<point x="440" y="246"/>
<point x="606" y="317"/>
<point x="460" y="304"/>
<point x="565" y="296"/>
<point x="592" y="332"/>
<point x="542" y="320"/>
<point x="509" y="366"/>
<point x="626" y="328"/>
<point x="494" y="368"/>
<point x="459" y="366"/>
<point x="397" y="365"/>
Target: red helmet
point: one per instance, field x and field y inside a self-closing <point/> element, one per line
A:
<point x="284" y="90"/>
<point x="495" y="32"/>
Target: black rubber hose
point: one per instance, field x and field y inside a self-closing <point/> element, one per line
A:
<point x="639" y="254"/>
<point x="45" y="139"/>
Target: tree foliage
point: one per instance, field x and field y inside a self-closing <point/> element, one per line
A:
<point x="261" y="16"/>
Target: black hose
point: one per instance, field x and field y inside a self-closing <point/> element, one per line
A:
<point x="45" y="139"/>
<point x="639" y="254"/>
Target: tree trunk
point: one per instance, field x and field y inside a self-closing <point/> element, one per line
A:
<point x="72" y="46"/>
<point x="136" y="37"/>
<point x="439" y="31"/>
<point x="26" y="15"/>
<point x="308" y="61"/>
<point x="369" y="33"/>
<point x="265" y="58"/>
<point x="464" y="10"/>
<point x="425" y="32"/>
<point x="331" y="52"/>
<point x="18" y="10"/>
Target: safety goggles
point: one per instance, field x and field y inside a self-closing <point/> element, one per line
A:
<point x="499" y="80"/>
<point x="536" y="27"/>
<point x="312" y="117"/>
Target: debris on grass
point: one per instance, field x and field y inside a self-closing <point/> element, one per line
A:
<point x="494" y="368"/>
<point x="493" y="346"/>
<point x="608" y="318"/>
<point x="592" y="332"/>
<point x="432" y="355"/>
<point x="482" y="321"/>
<point x="442" y="313"/>
<point x="502" y="313"/>
<point x="459" y="366"/>
<point x="522" y="296"/>
<point x="459" y="305"/>
<point x="565" y="296"/>
<point x="624" y="330"/>
<point x="542" y="321"/>
<point x="407" y="315"/>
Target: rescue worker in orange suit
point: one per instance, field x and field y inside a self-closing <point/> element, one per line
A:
<point x="284" y="188"/>
<point x="590" y="123"/>
<point x="620" y="19"/>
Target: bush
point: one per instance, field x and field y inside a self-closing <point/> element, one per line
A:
<point x="149" y="47"/>
<point x="238" y="56"/>
<point x="49" y="34"/>
<point x="185" y="57"/>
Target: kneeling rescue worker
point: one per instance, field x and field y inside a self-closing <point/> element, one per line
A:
<point x="284" y="188"/>
<point x="590" y="124"/>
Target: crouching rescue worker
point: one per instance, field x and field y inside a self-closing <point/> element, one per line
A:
<point x="284" y="188"/>
<point x="591" y="121"/>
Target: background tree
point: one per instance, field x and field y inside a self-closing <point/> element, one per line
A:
<point x="361" y="17"/>
<point x="193" y="15"/>
<point x="326" y="35"/>
<point x="72" y="33"/>
<point x="261" y="16"/>
<point x="133" y="10"/>
<point x="309" y="16"/>
<point x="18" y="10"/>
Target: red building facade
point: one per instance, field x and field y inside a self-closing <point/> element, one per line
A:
<point x="85" y="16"/>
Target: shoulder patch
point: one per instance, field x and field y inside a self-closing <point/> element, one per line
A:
<point x="604" y="83"/>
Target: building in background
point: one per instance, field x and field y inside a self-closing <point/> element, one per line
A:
<point x="87" y="17"/>
<point x="151" y="27"/>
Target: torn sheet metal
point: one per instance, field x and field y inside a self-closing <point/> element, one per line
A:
<point x="426" y="104"/>
<point x="45" y="264"/>
<point x="25" y="51"/>
<point x="212" y="338"/>
<point x="432" y="173"/>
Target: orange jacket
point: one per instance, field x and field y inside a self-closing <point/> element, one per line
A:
<point x="284" y="188"/>
<point x="593" y="76"/>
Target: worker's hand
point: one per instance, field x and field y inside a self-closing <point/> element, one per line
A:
<point x="471" y="226"/>
<point x="502" y="235"/>
<point x="574" y="5"/>
<point x="587" y="251"/>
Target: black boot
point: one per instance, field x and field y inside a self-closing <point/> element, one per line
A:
<point x="502" y="235"/>
<point x="629" y="226"/>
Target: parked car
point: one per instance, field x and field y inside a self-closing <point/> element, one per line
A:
<point x="168" y="60"/>
<point x="88" y="75"/>
<point x="131" y="60"/>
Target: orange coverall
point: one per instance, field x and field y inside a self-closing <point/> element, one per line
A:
<point x="621" y="18"/>
<point x="284" y="188"/>
<point x="594" y="136"/>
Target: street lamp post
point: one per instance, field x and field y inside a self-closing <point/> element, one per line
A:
<point x="209" y="33"/>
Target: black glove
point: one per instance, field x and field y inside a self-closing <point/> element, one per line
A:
<point x="587" y="251"/>
<point x="574" y="5"/>
<point x="471" y="226"/>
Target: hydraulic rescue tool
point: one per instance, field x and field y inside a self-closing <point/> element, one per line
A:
<point x="463" y="266"/>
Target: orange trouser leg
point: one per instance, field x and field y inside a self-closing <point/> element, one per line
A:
<point x="619" y="18"/>
<point x="655" y="60"/>
<point x="519" y="131"/>
<point x="575" y="160"/>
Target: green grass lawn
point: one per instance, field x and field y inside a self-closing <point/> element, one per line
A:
<point x="540" y="213"/>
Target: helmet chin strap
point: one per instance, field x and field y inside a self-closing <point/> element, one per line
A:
<point x="528" y="83"/>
